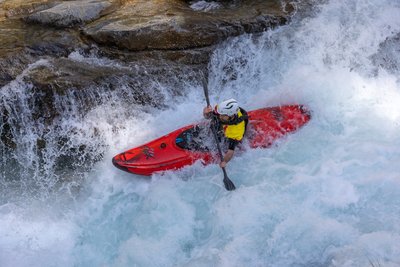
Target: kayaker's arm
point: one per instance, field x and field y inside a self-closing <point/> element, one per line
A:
<point x="232" y="143"/>
<point x="228" y="156"/>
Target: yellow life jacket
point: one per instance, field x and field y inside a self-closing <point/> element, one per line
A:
<point x="235" y="131"/>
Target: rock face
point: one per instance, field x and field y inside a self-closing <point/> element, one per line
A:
<point x="21" y="45"/>
<point x="155" y="24"/>
<point x="173" y="31"/>
<point x="171" y="25"/>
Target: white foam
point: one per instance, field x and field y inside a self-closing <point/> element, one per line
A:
<point x="31" y="240"/>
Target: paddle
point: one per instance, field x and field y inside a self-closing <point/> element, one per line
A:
<point x="229" y="185"/>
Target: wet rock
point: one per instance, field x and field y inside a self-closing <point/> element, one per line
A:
<point x="70" y="13"/>
<point x="21" y="45"/>
<point x="189" y="57"/>
<point x="80" y="82"/>
<point x="173" y="24"/>
<point x="14" y="8"/>
<point x="6" y="136"/>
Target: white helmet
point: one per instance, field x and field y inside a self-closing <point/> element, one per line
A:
<point x="228" y="107"/>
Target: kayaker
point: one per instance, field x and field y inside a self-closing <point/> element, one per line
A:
<point x="230" y="119"/>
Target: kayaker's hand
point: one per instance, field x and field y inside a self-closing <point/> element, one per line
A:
<point x="223" y="164"/>
<point x="207" y="111"/>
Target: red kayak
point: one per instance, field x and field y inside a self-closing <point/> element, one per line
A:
<point x="194" y="142"/>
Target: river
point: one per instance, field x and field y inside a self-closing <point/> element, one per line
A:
<point x="327" y="195"/>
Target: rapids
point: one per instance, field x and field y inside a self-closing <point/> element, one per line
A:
<point x="327" y="195"/>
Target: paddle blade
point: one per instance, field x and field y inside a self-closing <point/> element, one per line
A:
<point x="229" y="185"/>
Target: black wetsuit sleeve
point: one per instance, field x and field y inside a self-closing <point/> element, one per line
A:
<point x="232" y="143"/>
<point x="210" y="115"/>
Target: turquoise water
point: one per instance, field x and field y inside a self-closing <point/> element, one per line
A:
<point x="324" y="196"/>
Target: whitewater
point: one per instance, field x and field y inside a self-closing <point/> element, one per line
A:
<point x="327" y="195"/>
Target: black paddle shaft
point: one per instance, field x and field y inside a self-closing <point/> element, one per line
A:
<point x="229" y="185"/>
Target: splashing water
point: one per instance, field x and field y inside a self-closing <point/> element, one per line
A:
<point x="324" y="196"/>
